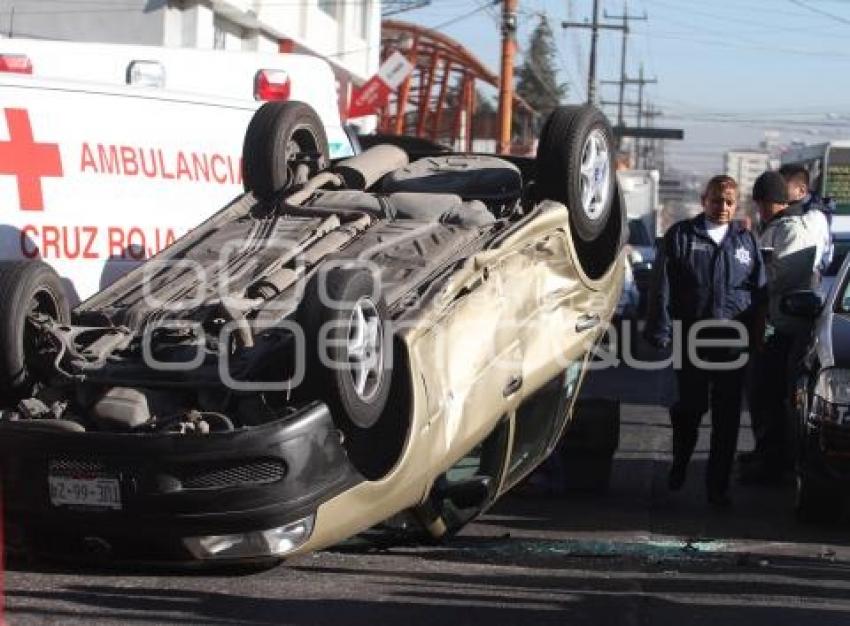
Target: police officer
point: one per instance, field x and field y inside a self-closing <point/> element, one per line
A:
<point x="796" y="245"/>
<point x="708" y="268"/>
<point x="816" y="214"/>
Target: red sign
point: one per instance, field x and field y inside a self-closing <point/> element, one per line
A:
<point x="367" y="99"/>
<point x="376" y="92"/>
<point x="27" y="160"/>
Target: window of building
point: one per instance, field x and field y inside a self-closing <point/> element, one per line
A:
<point x="219" y="37"/>
<point x="328" y="6"/>
<point x="227" y="35"/>
<point x="365" y="12"/>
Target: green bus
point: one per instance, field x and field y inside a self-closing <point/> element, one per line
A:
<point x="829" y="168"/>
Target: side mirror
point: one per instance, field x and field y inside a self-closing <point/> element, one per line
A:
<point x="802" y="303"/>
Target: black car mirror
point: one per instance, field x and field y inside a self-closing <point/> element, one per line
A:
<point x="802" y="303"/>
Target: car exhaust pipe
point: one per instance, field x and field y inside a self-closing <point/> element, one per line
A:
<point x="358" y="172"/>
<point x="365" y="169"/>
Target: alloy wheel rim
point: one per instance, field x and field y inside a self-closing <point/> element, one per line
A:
<point x="365" y="349"/>
<point x="595" y="174"/>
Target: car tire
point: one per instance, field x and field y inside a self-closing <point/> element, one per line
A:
<point x="277" y="133"/>
<point x="814" y="503"/>
<point x="25" y="287"/>
<point x="349" y="349"/>
<point x="575" y="166"/>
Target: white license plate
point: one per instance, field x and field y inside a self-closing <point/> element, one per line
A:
<point x="100" y="492"/>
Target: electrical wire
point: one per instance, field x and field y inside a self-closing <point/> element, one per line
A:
<point x="463" y="16"/>
<point x="832" y="16"/>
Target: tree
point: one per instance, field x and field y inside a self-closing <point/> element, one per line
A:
<point x="537" y="80"/>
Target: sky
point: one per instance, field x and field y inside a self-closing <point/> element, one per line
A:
<point x="727" y="70"/>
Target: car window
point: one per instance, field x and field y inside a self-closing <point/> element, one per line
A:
<point x="539" y="422"/>
<point x="638" y="234"/>
<point x="840" y="249"/>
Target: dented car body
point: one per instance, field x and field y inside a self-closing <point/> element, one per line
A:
<point x="380" y="337"/>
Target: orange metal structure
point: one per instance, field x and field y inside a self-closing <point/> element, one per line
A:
<point x="438" y="100"/>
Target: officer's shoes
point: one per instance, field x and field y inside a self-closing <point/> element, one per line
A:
<point x="677" y="475"/>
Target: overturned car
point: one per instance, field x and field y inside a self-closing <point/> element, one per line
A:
<point x="344" y="343"/>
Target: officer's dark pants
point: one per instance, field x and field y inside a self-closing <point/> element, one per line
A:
<point x="773" y="377"/>
<point x="699" y="390"/>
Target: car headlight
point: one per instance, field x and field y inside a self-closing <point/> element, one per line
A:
<point x="272" y="542"/>
<point x="832" y="395"/>
<point x="833" y="386"/>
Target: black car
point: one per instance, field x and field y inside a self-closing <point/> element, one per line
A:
<point x="822" y="401"/>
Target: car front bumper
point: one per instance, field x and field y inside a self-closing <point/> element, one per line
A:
<point x="244" y="494"/>
<point x="825" y="456"/>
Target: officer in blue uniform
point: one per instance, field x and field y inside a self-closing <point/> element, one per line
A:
<point x="708" y="268"/>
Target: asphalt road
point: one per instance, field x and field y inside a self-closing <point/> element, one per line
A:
<point x="635" y="555"/>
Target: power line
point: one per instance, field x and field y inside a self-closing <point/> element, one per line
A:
<point x="833" y="16"/>
<point x="766" y="47"/>
<point x="394" y="7"/>
<point x="464" y="16"/>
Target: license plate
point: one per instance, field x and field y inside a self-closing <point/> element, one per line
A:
<point x="100" y="492"/>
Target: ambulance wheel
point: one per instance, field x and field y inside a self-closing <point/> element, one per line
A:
<point x="575" y="166"/>
<point x="27" y="289"/>
<point x="280" y="136"/>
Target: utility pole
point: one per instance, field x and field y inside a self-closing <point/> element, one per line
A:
<point x="650" y="114"/>
<point x="626" y="18"/>
<point x="641" y="82"/>
<point x="594" y="27"/>
<point x="506" y="83"/>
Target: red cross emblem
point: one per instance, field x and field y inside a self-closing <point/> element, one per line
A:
<point x="27" y="160"/>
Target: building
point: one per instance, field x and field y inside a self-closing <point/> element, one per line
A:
<point x="679" y="195"/>
<point x="346" y="32"/>
<point x="745" y="166"/>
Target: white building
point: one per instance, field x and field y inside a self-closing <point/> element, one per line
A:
<point x="346" y="32"/>
<point x="745" y="166"/>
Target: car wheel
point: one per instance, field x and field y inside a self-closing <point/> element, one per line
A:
<point x="279" y="136"/>
<point x="345" y="320"/>
<point x="575" y="166"/>
<point x="814" y="503"/>
<point x="26" y="288"/>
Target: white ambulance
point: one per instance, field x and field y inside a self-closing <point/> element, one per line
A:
<point x="109" y="153"/>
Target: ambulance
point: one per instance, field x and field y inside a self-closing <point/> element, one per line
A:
<point x="109" y="153"/>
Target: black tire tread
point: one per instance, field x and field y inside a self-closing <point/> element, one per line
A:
<point x="264" y="167"/>
<point x="324" y="381"/>
<point x="18" y="281"/>
<point x="559" y="153"/>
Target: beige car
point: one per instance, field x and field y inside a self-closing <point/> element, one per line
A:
<point x="345" y="342"/>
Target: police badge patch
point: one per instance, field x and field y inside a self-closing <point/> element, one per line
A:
<point x="743" y="256"/>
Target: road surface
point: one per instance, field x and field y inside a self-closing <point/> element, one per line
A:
<point x="635" y="555"/>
